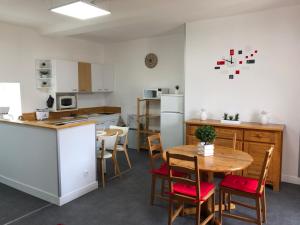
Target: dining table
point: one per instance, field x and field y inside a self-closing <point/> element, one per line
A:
<point x="224" y="160"/>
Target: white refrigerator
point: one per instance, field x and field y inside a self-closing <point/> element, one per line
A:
<point x="172" y="120"/>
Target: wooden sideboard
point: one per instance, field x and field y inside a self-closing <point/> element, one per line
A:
<point x="253" y="138"/>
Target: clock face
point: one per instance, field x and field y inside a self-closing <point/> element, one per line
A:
<point x="235" y="61"/>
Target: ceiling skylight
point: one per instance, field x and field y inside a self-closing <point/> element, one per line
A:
<point x="80" y="10"/>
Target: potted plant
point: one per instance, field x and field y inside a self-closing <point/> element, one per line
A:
<point x="206" y="135"/>
<point x="177" y="89"/>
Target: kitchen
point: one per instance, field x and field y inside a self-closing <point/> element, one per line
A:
<point x="65" y="83"/>
<point x="80" y="92"/>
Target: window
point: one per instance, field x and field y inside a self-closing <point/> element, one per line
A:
<point x="10" y="96"/>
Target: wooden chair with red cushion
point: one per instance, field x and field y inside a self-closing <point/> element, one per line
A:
<point x="161" y="172"/>
<point x="249" y="188"/>
<point x="155" y="153"/>
<point x="189" y="189"/>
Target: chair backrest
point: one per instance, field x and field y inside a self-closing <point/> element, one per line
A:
<point x="234" y="141"/>
<point x="155" y="148"/>
<point x="189" y="166"/>
<point x="265" y="169"/>
<point x="110" y="142"/>
<point x="124" y="136"/>
<point x="124" y="129"/>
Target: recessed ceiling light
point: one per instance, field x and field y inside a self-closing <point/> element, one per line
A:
<point x="80" y="10"/>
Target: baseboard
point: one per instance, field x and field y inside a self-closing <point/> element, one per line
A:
<point x="77" y="193"/>
<point x="291" y="179"/>
<point x="36" y="192"/>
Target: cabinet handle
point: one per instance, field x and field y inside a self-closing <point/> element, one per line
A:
<point x="74" y="89"/>
<point x="258" y="136"/>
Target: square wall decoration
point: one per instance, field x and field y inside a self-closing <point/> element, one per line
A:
<point x="234" y="60"/>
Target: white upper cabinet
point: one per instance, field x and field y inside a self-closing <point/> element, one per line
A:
<point x="102" y="78"/>
<point x="66" y="74"/>
<point x="108" y="78"/>
<point x="97" y="78"/>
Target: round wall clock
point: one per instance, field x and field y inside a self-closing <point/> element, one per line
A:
<point x="151" y="60"/>
<point x="232" y="64"/>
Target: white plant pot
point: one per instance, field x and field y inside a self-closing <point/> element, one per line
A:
<point x="176" y="91"/>
<point x="206" y="150"/>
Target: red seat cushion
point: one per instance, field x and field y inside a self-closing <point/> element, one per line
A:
<point x="245" y="184"/>
<point x="190" y="190"/>
<point x="163" y="170"/>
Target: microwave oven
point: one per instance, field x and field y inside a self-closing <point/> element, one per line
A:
<point x="155" y="93"/>
<point x="66" y="102"/>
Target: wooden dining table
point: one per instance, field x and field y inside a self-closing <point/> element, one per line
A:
<point x="224" y="160"/>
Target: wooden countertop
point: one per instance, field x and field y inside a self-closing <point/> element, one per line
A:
<point x="247" y="125"/>
<point x="49" y="123"/>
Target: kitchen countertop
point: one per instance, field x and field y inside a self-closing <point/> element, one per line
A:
<point x="51" y="124"/>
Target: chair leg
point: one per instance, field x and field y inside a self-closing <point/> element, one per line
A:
<point x="258" y="211"/>
<point x="220" y="204"/>
<point x="101" y="171"/>
<point x="228" y="202"/>
<point x="116" y="165"/>
<point x="213" y="207"/>
<point x="170" y="220"/>
<point x="127" y="157"/>
<point x="153" y="184"/>
<point x="198" y="213"/>
<point x="264" y="207"/>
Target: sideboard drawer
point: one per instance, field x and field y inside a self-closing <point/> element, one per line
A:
<point x="228" y="133"/>
<point x="190" y="130"/>
<point x="191" y="140"/>
<point x="228" y="143"/>
<point x="259" y="136"/>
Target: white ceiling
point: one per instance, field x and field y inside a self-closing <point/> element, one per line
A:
<point x="130" y="19"/>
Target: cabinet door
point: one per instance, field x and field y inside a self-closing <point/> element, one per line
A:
<point x="108" y="77"/>
<point x="257" y="151"/>
<point x="84" y="77"/>
<point x="97" y="78"/>
<point x="66" y="73"/>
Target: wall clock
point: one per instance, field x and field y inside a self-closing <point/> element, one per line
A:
<point x="232" y="64"/>
<point x="151" y="60"/>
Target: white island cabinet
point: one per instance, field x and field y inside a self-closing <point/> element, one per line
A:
<point x="54" y="163"/>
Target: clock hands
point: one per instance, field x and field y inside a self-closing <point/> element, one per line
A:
<point x="230" y="61"/>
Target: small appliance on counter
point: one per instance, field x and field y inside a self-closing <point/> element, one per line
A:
<point x="42" y="114"/>
<point x="4" y="113"/>
<point x="155" y="93"/>
<point x="66" y="101"/>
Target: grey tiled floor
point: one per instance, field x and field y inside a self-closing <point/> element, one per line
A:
<point x="125" y="201"/>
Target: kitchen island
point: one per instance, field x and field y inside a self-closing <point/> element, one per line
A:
<point x="52" y="161"/>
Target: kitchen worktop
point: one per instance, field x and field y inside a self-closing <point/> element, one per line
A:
<point x="52" y="124"/>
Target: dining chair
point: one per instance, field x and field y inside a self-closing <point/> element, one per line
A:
<point x="107" y="142"/>
<point x="155" y="154"/>
<point x="124" y="138"/>
<point x="248" y="188"/>
<point x="189" y="190"/>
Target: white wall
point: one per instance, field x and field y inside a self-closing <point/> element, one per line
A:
<point x="271" y="84"/>
<point x="131" y="74"/>
<point x="21" y="46"/>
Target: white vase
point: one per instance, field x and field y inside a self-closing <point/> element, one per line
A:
<point x="264" y="117"/>
<point x="203" y="114"/>
<point x="176" y="91"/>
